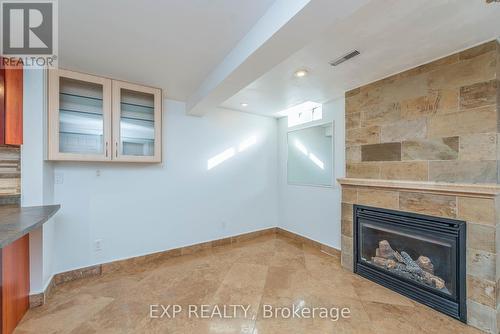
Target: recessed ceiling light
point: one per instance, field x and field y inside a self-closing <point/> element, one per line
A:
<point x="244" y="105"/>
<point x="300" y="73"/>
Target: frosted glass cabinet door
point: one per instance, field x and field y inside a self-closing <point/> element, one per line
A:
<point x="136" y="123"/>
<point x="79" y="117"/>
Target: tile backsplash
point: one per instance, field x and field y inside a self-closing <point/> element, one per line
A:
<point x="10" y="175"/>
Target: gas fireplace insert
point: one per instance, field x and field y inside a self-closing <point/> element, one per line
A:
<point x="421" y="257"/>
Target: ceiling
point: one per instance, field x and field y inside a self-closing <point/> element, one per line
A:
<point x="392" y="35"/>
<point x="172" y="44"/>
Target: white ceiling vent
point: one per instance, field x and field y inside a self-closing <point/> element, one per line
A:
<point x="342" y="59"/>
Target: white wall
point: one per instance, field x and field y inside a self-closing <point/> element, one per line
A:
<point x="36" y="179"/>
<point x="313" y="212"/>
<point x="136" y="209"/>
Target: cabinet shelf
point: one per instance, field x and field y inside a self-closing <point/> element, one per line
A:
<point x="137" y="105"/>
<point x="99" y="114"/>
<point x="100" y="99"/>
<point x="79" y="134"/>
<point x="81" y="96"/>
<point x="128" y="139"/>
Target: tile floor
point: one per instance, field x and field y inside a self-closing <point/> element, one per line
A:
<point x="269" y="270"/>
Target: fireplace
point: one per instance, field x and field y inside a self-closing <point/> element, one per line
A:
<point x="421" y="257"/>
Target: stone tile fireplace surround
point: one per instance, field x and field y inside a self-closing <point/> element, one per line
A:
<point x="427" y="141"/>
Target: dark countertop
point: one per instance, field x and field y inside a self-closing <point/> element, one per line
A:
<point x="17" y="221"/>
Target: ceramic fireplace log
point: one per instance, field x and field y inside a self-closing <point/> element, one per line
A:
<point x="402" y="264"/>
<point x="425" y="263"/>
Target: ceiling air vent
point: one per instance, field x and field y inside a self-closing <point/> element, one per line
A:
<point x="342" y="59"/>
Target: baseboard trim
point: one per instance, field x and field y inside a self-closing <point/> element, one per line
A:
<point x="39" y="299"/>
<point x="309" y="242"/>
<point x="100" y="269"/>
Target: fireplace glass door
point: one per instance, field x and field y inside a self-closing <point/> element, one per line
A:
<point x="425" y="259"/>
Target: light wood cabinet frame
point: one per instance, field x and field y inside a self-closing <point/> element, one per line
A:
<point x="111" y="118"/>
<point x="53" y="116"/>
<point x="116" y="112"/>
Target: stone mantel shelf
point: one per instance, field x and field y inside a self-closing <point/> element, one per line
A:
<point x="457" y="189"/>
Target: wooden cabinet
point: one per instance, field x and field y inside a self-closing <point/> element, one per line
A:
<point x="98" y="119"/>
<point x="2" y="105"/>
<point x="11" y="105"/>
<point x="136" y="123"/>
<point x="79" y="117"/>
<point x="15" y="283"/>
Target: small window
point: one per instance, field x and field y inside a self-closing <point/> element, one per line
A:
<point x="303" y="113"/>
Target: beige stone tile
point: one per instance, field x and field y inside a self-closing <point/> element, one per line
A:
<point x="352" y="92"/>
<point x="221" y="242"/>
<point x="463" y="171"/>
<point x="353" y="154"/>
<point x="431" y="149"/>
<point x="482" y="237"/>
<point x="347" y="261"/>
<point x="401" y="87"/>
<point x="481" y="264"/>
<point x="346" y="228"/>
<point x="347" y="245"/>
<point x="378" y="198"/>
<point x="481" y="316"/>
<point x="349" y="194"/>
<point x="407" y="170"/>
<point x="478" y="95"/>
<point x="118" y="302"/>
<point x="66" y="318"/>
<point x="364" y="170"/>
<point x="362" y="136"/>
<point x="432" y="66"/>
<point x="353" y="120"/>
<point x="476" y="210"/>
<point x="466" y="72"/>
<point x="404" y="130"/>
<point x="481" y="291"/>
<point x="381" y="152"/>
<point x="480" y="146"/>
<point x="477" y="50"/>
<point x="347" y="211"/>
<point x="478" y="120"/>
<point x="381" y="114"/>
<point x="436" y="102"/>
<point x="377" y="293"/>
<point x="429" y="204"/>
<point x="366" y="97"/>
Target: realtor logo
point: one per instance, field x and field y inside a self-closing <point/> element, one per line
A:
<point x="29" y="32"/>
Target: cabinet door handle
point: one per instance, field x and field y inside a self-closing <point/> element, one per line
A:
<point x="107" y="149"/>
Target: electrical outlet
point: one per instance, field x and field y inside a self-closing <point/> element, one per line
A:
<point x="58" y="178"/>
<point x="98" y="245"/>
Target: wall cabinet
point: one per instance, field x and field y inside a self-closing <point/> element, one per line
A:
<point x="11" y="105"/>
<point x="93" y="118"/>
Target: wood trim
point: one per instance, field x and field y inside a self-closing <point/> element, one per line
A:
<point x="466" y="190"/>
<point x="13" y="91"/>
<point x="2" y="105"/>
<point x="158" y="104"/>
<point x="53" y="116"/>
